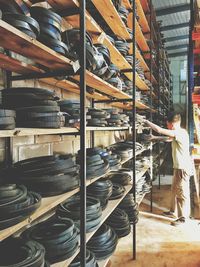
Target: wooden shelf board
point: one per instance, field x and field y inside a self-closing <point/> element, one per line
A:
<point x="127" y="4"/>
<point x="91" y="128"/>
<point x="145" y="5"/>
<point x="17" y="41"/>
<point x="142" y="20"/>
<point x="142" y="172"/>
<point x="35" y="131"/>
<point x="141" y="199"/>
<point x="103" y="263"/>
<point x="143" y="63"/>
<point x="140" y="38"/>
<point x="108" y="11"/>
<point x="140" y="83"/>
<point x="112" y="204"/>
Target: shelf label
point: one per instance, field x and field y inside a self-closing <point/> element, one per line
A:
<point x="76" y="66"/>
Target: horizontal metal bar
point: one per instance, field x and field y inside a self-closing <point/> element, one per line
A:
<point x="174" y="47"/>
<point x="174" y="26"/>
<point x="176" y="38"/>
<point x="178" y="54"/>
<point x="43" y="75"/>
<point x="172" y="9"/>
<point x="114" y="100"/>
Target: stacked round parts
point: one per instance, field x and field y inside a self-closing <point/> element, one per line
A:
<point x="122" y="178"/>
<point x="129" y="59"/>
<point x="7" y="119"/>
<point x="24" y="253"/>
<point x="129" y="87"/>
<point x="114" y="160"/>
<point x="98" y="117"/>
<point x="16" y="204"/>
<point x="122" y="46"/>
<point x="123" y="12"/>
<point x="50" y="29"/>
<point x="96" y="166"/>
<point x="71" y="109"/>
<point x="117" y="119"/>
<point x="117" y="192"/>
<point x="101" y="189"/>
<point x="103" y="243"/>
<point x="130" y="207"/>
<point x="90" y="260"/>
<point x="27" y="25"/>
<point x="35" y="107"/>
<point x="102" y="56"/>
<point x="71" y="208"/>
<point x="48" y="175"/>
<point x="119" y="221"/>
<point x="123" y="149"/>
<point x="59" y="237"/>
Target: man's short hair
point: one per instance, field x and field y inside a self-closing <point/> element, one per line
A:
<point x="174" y="117"/>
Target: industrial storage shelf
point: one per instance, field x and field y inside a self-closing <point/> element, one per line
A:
<point x="142" y="17"/>
<point x="112" y="204"/>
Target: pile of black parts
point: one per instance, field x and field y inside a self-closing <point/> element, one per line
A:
<point x="35" y="107"/>
<point x="101" y="189"/>
<point x="124" y="149"/>
<point x="117" y="192"/>
<point x="114" y="161"/>
<point x="71" y="111"/>
<point x="117" y="119"/>
<point x="48" y="175"/>
<point x="23" y="253"/>
<point x="71" y="209"/>
<point x="119" y="221"/>
<point x="14" y="15"/>
<point x="98" y="117"/>
<point x="50" y="29"/>
<point x="16" y="204"/>
<point x="103" y="243"/>
<point x="59" y="237"/>
<point x="7" y="119"/>
<point x="130" y="207"/>
<point x="90" y="260"/>
<point x="122" y="178"/>
<point x="96" y="166"/>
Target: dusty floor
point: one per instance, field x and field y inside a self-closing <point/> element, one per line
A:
<point x="158" y="243"/>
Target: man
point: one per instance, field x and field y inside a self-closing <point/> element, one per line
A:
<point x="181" y="164"/>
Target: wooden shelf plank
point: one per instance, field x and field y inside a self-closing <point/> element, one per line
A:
<point x="145" y="5"/>
<point x="142" y="20"/>
<point x="17" y="41"/>
<point x="111" y="16"/>
<point x="91" y="128"/>
<point x="103" y="263"/>
<point x="140" y="83"/>
<point x="35" y="131"/>
<point x="127" y="4"/>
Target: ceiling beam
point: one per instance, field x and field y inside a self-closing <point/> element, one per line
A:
<point x="174" y="47"/>
<point x="172" y="9"/>
<point x="174" y="26"/>
<point x="176" y="38"/>
<point x="178" y="54"/>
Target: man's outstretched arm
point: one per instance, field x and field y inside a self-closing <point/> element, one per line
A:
<point x="160" y="130"/>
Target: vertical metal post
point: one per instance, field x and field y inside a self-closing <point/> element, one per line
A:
<point x="190" y="75"/>
<point x="82" y="135"/>
<point x="92" y="134"/>
<point x="151" y="95"/>
<point x="133" y="126"/>
<point x="158" y="61"/>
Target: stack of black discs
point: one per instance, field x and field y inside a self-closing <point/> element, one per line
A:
<point x="71" y="208"/>
<point x="101" y="189"/>
<point x="117" y="192"/>
<point x="117" y="119"/>
<point x="98" y="117"/>
<point x="90" y="260"/>
<point x="24" y="253"/>
<point x="48" y="175"/>
<point x="124" y="149"/>
<point x="14" y="15"/>
<point x="114" y="160"/>
<point x="119" y="177"/>
<point x="50" y="29"/>
<point x="7" y="119"/>
<point x="103" y="243"/>
<point x="35" y="107"/>
<point x="123" y="12"/>
<point x="122" y="46"/>
<point x="130" y="207"/>
<point x="71" y="109"/>
<point x="129" y="59"/>
<point x="59" y="237"/>
<point x="96" y="166"/>
<point x="16" y="204"/>
<point x="119" y="221"/>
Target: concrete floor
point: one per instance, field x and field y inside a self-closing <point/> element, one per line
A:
<point x="158" y="243"/>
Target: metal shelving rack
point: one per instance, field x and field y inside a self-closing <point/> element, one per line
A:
<point x="60" y="65"/>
